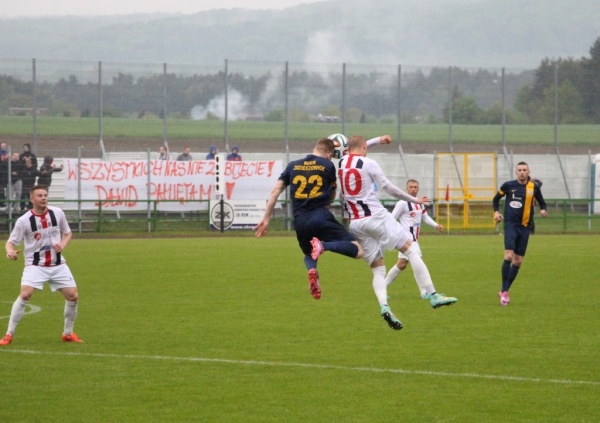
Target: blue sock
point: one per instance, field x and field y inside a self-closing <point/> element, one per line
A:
<point x="309" y="262"/>
<point x="505" y="272"/>
<point x="512" y="275"/>
<point x="345" y="248"/>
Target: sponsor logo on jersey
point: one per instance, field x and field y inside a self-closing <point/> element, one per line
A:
<point x="516" y="204"/>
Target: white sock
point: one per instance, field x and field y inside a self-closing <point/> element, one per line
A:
<point x="420" y="270"/>
<point x="379" y="285"/>
<point x="70" y="315"/>
<point x="16" y="314"/>
<point x="429" y="289"/>
<point x="392" y="275"/>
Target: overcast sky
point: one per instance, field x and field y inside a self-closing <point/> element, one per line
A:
<point x="22" y="8"/>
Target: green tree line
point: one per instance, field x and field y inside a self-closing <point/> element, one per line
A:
<point x="529" y="96"/>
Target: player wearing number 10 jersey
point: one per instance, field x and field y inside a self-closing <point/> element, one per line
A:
<point x="375" y="227"/>
<point x="312" y="182"/>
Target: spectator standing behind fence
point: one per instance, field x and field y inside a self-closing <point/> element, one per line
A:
<point x="3" y="177"/>
<point x="185" y="156"/>
<point x="3" y="149"/>
<point x="30" y="174"/>
<point x="16" y="176"/>
<point x="46" y="171"/>
<point x="163" y="153"/>
<point x="27" y="153"/>
<point x="234" y="156"/>
<point x="212" y="152"/>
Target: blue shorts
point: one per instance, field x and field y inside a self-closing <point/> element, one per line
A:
<point x="516" y="238"/>
<point x="320" y="223"/>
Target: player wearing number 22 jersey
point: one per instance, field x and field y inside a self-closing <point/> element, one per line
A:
<point x="312" y="183"/>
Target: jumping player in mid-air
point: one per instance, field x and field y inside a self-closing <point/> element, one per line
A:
<point x="312" y="182"/>
<point x="375" y="228"/>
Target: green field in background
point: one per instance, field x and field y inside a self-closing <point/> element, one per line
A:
<point x="224" y="330"/>
<point x="275" y="131"/>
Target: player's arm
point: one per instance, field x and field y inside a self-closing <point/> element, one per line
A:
<point x="396" y="192"/>
<point x="14" y="240"/>
<point x="263" y="225"/>
<point x="382" y="181"/>
<point x="64" y="241"/>
<point x="429" y="221"/>
<point x="383" y="139"/>
<point x="496" y="205"/>
<point x="537" y="193"/>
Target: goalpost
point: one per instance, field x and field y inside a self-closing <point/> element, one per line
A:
<point x="465" y="186"/>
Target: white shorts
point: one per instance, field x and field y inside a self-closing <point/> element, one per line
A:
<point x="57" y="277"/>
<point x="378" y="233"/>
<point x="418" y="250"/>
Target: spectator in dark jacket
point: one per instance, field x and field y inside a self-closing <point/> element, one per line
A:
<point x="234" y="155"/>
<point x="16" y="180"/>
<point x="30" y="174"/>
<point x="27" y="153"/>
<point x="3" y="178"/>
<point x="46" y="171"/>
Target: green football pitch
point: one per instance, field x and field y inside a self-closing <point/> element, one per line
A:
<point x="224" y="329"/>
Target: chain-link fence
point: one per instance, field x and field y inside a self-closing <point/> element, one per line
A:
<point x="99" y="110"/>
<point x="101" y="104"/>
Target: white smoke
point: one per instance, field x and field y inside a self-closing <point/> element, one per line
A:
<point x="328" y="47"/>
<point x="237" y="105"/>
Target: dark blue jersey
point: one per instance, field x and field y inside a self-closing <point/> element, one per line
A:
<point x="518" y="206"/>
<point x="312" y="183"/>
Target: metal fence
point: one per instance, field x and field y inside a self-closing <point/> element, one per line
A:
<point x="202" y="105"/>
<point x="344" y="94"/>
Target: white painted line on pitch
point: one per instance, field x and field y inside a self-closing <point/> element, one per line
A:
<point x="29" y="309"/>
<point x="310" y="366"/>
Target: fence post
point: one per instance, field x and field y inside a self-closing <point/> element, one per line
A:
<point x="226" y="116"/>
<point x="79" y="188"/>
<point x="34" y="101"/>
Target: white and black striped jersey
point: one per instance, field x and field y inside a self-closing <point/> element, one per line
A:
<point x="410" y="216"/>
<point x="39" y="233"/>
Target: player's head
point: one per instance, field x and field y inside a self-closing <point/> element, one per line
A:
<point x="357" y="145"/>
<point x="38" y="195"/>
<point x="412" y="187"/>
<point x="522" y="171"/>
<point x="324" y="148"/>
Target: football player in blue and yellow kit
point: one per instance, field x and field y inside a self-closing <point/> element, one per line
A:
<point x="518" y="222"/>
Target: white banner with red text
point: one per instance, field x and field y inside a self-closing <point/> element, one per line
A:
<point x="174" y="185"/>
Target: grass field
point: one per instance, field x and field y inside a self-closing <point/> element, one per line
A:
<point x="225" y="330"/>
<point x="190" y="129"/>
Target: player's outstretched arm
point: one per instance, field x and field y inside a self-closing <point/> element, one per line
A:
<point x="263" y="225"/>
<point x="383" y="139"/>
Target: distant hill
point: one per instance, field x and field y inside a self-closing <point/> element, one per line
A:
<point x="465" y="33"/>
